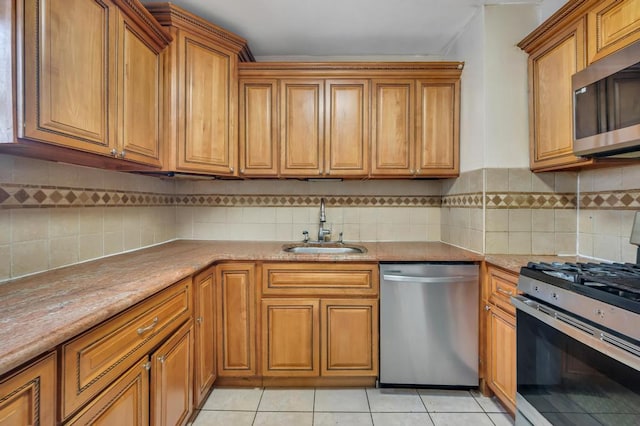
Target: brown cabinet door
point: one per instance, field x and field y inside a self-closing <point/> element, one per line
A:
<point x="393" y="115"/>
<point x="236" y="318"/>
<point x="349" y="330"/>
<point x="259" y="127"/>
<point x="612" y="25"/>
<point x="208" y="98"/>
<point x="171" y="383"/>
<point x="502" y="355"/>
<point x="204" y="334"/>
<point x="301" y="127"/>
<point x="69" y="77"/>
<point x="29" y="397"/>
<point x="139" y="88"/>
<point x="124" y="402"/>
<point x="551" y="99"/>
<point x="290" y="337"/>
<point x="347" y="128"/>
<point x="438" y="128"/>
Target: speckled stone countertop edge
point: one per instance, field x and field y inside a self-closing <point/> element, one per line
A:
<point x="40" y="312"/>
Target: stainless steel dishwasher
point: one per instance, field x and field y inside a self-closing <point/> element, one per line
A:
<point x="429" y="324"/>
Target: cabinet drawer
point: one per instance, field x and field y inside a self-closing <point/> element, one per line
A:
<point x="319" y="279"/>
<point x="93" y="360"/>
<point x="502" y="285"/>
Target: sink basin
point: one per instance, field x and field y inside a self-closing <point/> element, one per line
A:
<point x="324" y="248"/>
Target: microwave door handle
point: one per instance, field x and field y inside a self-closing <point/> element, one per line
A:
<point x="599" y="340"/>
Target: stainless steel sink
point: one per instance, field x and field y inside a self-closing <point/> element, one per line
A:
<point x="324" y="248"/>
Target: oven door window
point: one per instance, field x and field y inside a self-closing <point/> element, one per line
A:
<point x="569" y="383"/>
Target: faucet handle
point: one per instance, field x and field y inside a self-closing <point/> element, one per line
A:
<point x="306" y="236"/>
<point x="340" y="238"/>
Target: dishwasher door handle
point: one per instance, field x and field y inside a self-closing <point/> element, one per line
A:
<point x="423" y="280"/>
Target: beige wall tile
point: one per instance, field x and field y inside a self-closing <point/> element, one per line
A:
<point x="64" y="222"/>
<point x="259" y="215"/>
<point x="566" y="182"/>
<point x="542" y="220"/>
<point x="91" y="220"/>
<point x="113" y="219"/>
<point x="5" y="259"/>
<point x="90" y="246"/>
<point x="434" y="215"/>
<point x="476" y="240"/>
<point x="565" y="243"/>
<point x="29" y="257"/>
<point x="476" y="219"/>
<point x="628" y="252"/>
<point x="497" y="220"/>
<point x="565" y="220"/>
<point x="519" y="242"/>
<point x="631" y="177"/>
<point x="63" y="251"/>
<point x="607" y="179"/>
<point x="113" y="242"/>
<point x="520" y="180"/>
<point x="30" y="171"/>
<point x="520" y="220"/>
<point x="543" y="182"/>
<point x="497" y="242"/>
<point x="585" y="181"/>
<point x="284" y="215"/>
<point x="284" y="232"/>
<point x="497" y="180"/>
<point x="606" y="222"/>
<point x="434" y="233"/>
<point x="543" y="243"/>
<point x="6" y="168"/>
<point x="585" y="221"/>
<point x="626" y="222"/>
<point x="607" y="247"/>
<point x="585" y="244"/>
<point x="476" y="181"/>
<point x="29" y="224"/>
<point x="5" y="226"/>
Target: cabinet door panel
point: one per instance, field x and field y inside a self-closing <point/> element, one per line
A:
<point x="207" y="142"/>
<point x="437" y="137"/>
<point x="502" y="355"/>
<point x="259" y="128"/>
<point x="140" y="91"/>
<point x="612" y="25"/>
<point x="302" y="127"/>
<point x="393" y="127"/>
<point x="349" y="337"/>
<point x="290" y="337"/>
<point x="236" y="320"/>
<point x="125" y="402"/>
<point x="205" y="354"/>
<point x="29" y="397"/>
<point x="69" y="81"/>
<point x="171" y="373"/>
<point x="551" y="106"/>
<point x="347" y="127"/>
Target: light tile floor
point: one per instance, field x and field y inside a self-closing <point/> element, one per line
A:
<point x="352" y="407"/>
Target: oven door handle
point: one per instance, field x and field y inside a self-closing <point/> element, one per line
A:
<point x="602" y="341"/>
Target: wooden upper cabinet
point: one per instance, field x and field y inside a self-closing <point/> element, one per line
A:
<point x="438" y="128"/>
<point x="69" y="73"/>
<point x="612" y="25"/>
<point x="301" y="127"/>
<point x="29" y="396"/>
<point x="259" y="129"/>
<point x="92" y="78"/>
<point x="201" y="83"/>
<point x="551" y="66"/>
<point x="140" y="91"/>
<point x="393" y="115"/>
<point x="346" y="142"/>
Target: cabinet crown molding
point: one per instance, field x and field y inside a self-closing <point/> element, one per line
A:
<point x="134" y="10"/>
<point x="168" y="14"/>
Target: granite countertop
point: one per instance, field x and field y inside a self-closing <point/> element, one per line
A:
<point x="39" y="312"/>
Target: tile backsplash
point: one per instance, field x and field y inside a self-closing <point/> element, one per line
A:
<point x="57" y="214"/>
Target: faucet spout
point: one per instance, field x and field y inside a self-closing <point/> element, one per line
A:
<point x="323" y="233"/>
<point x="323" y="216"/>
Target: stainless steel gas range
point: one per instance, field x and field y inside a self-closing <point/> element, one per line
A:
<point x="578" y="344"/>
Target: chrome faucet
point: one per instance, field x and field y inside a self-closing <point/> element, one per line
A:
<point x="323" y="233"/>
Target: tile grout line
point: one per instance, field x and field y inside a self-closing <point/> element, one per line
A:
<point x="255" y="413"/>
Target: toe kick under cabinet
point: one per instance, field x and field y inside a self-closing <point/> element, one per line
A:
<point x="319" y="321"/>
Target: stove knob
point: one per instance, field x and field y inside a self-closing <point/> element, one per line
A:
<point x="554" y="295"/>
<point x="600" y="313"/>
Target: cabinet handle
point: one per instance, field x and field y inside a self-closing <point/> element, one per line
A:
<point x="114" y="152"/>
<point x="413" y="172"/>
<point x="231" y="169"/>
<point x="242" y="171"/>
<point x="418" y="171"/>
<point x="161" y="359"/>
<point x="505" y="292"/>
<point x="147" y="365"/>
<point x="123" y="153"/>
<point x="143" y="330"/>
<point x="487" y="307"/>
<point x="199" y="320"/>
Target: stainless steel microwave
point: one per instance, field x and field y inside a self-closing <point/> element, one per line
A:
<point x="606" y="106"/>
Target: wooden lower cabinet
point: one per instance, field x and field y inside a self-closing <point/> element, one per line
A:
<point x="501" y="350"/>
<point x="125" y="402"/>
<point x="29" y="396"/>
<point x="290" y="337"/>
<point x="171" y="383"/>
<point x="236" y="320"/>
<point x="349" y="337"/>
<point x="204" y="334"/>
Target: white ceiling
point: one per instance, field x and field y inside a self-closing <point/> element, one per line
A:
<point x="342" y="28"/>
